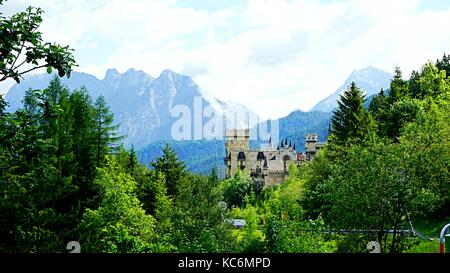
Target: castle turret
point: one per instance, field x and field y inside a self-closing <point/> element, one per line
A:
<point x="311" y="145"/>
<point x="237" y="146"/>
<point x="237" y="140"/>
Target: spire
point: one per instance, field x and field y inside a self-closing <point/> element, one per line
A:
<point x="285" y="143"/>
<point x="290" y="144"/>
<point x="270" y="142"/>
<point x="294" y="146"/>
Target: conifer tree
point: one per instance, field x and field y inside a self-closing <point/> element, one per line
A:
<point x="413" y="83"/>
<point x="82" y="117"/>
<point x="3" y="121"/>
<point x="163" y="204"/>
<point x="378" y="106"/>
<point x="393" y="111"/>
<point x="173" y="169"/>
<point x="351" y="121"/>
<point x="133" y="162"/>
<point x="444" y="64"/>
<point x="398" y="87"/>
<point x="105" y="135"/>
<point x="34" y="205"/>
<point x="2" y="105"/>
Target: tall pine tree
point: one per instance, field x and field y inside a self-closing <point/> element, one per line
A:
<point x="82" y="117"/>
<point x="444" y="64"/>
<point x="35" y="187"/>
<point x="398" y="88"/>
<point x="105" y="135"/>
<point x="173" y="169"/>
<point x="351" y="121"/>
<point x="2" y="105"/>
<point x="378" y="105"/>
<point x="393" y="111"/>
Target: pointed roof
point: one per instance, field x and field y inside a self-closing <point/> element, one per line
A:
<point x="294" y="146"/>
<point x="290" y="144"/>
<point x="285" y="143"/>
<point x="241" y="156"/>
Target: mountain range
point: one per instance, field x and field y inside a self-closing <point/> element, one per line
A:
<point x="144" y="107"/>
<point x="369" y="79"/>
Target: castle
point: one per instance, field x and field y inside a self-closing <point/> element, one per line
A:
<point x="267" y="166"/>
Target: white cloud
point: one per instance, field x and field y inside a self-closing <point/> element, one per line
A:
<point x="273" y="56"/>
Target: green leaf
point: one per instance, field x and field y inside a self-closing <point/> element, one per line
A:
<point x="49" y="70"/>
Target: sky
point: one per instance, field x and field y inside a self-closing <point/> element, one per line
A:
<point x="274" y="56"/>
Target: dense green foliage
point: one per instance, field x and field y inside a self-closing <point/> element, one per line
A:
<point x="395" y="172"/>
<point x="200" y="156"/>
<point x="48" y="167"/>
<point x="65" y="177"/>
<point x="119" y="224"/>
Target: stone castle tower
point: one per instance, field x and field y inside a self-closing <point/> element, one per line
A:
<point x="312" y="146"/>
<point x="236" y="146"/>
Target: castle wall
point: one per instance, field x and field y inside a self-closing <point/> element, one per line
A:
<point x="274" y="179"/>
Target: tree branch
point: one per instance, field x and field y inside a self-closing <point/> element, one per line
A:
<point x="12" y="68"/>
<point x="19" y="65"/>
<point x="31" y="69"/>
<point x="17" y="56"/>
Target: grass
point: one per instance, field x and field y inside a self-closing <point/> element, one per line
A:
<point x="431" y="229"/>
<point x="425" y="247"/>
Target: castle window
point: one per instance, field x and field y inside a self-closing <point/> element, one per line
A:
<point x="260" y="156"/>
